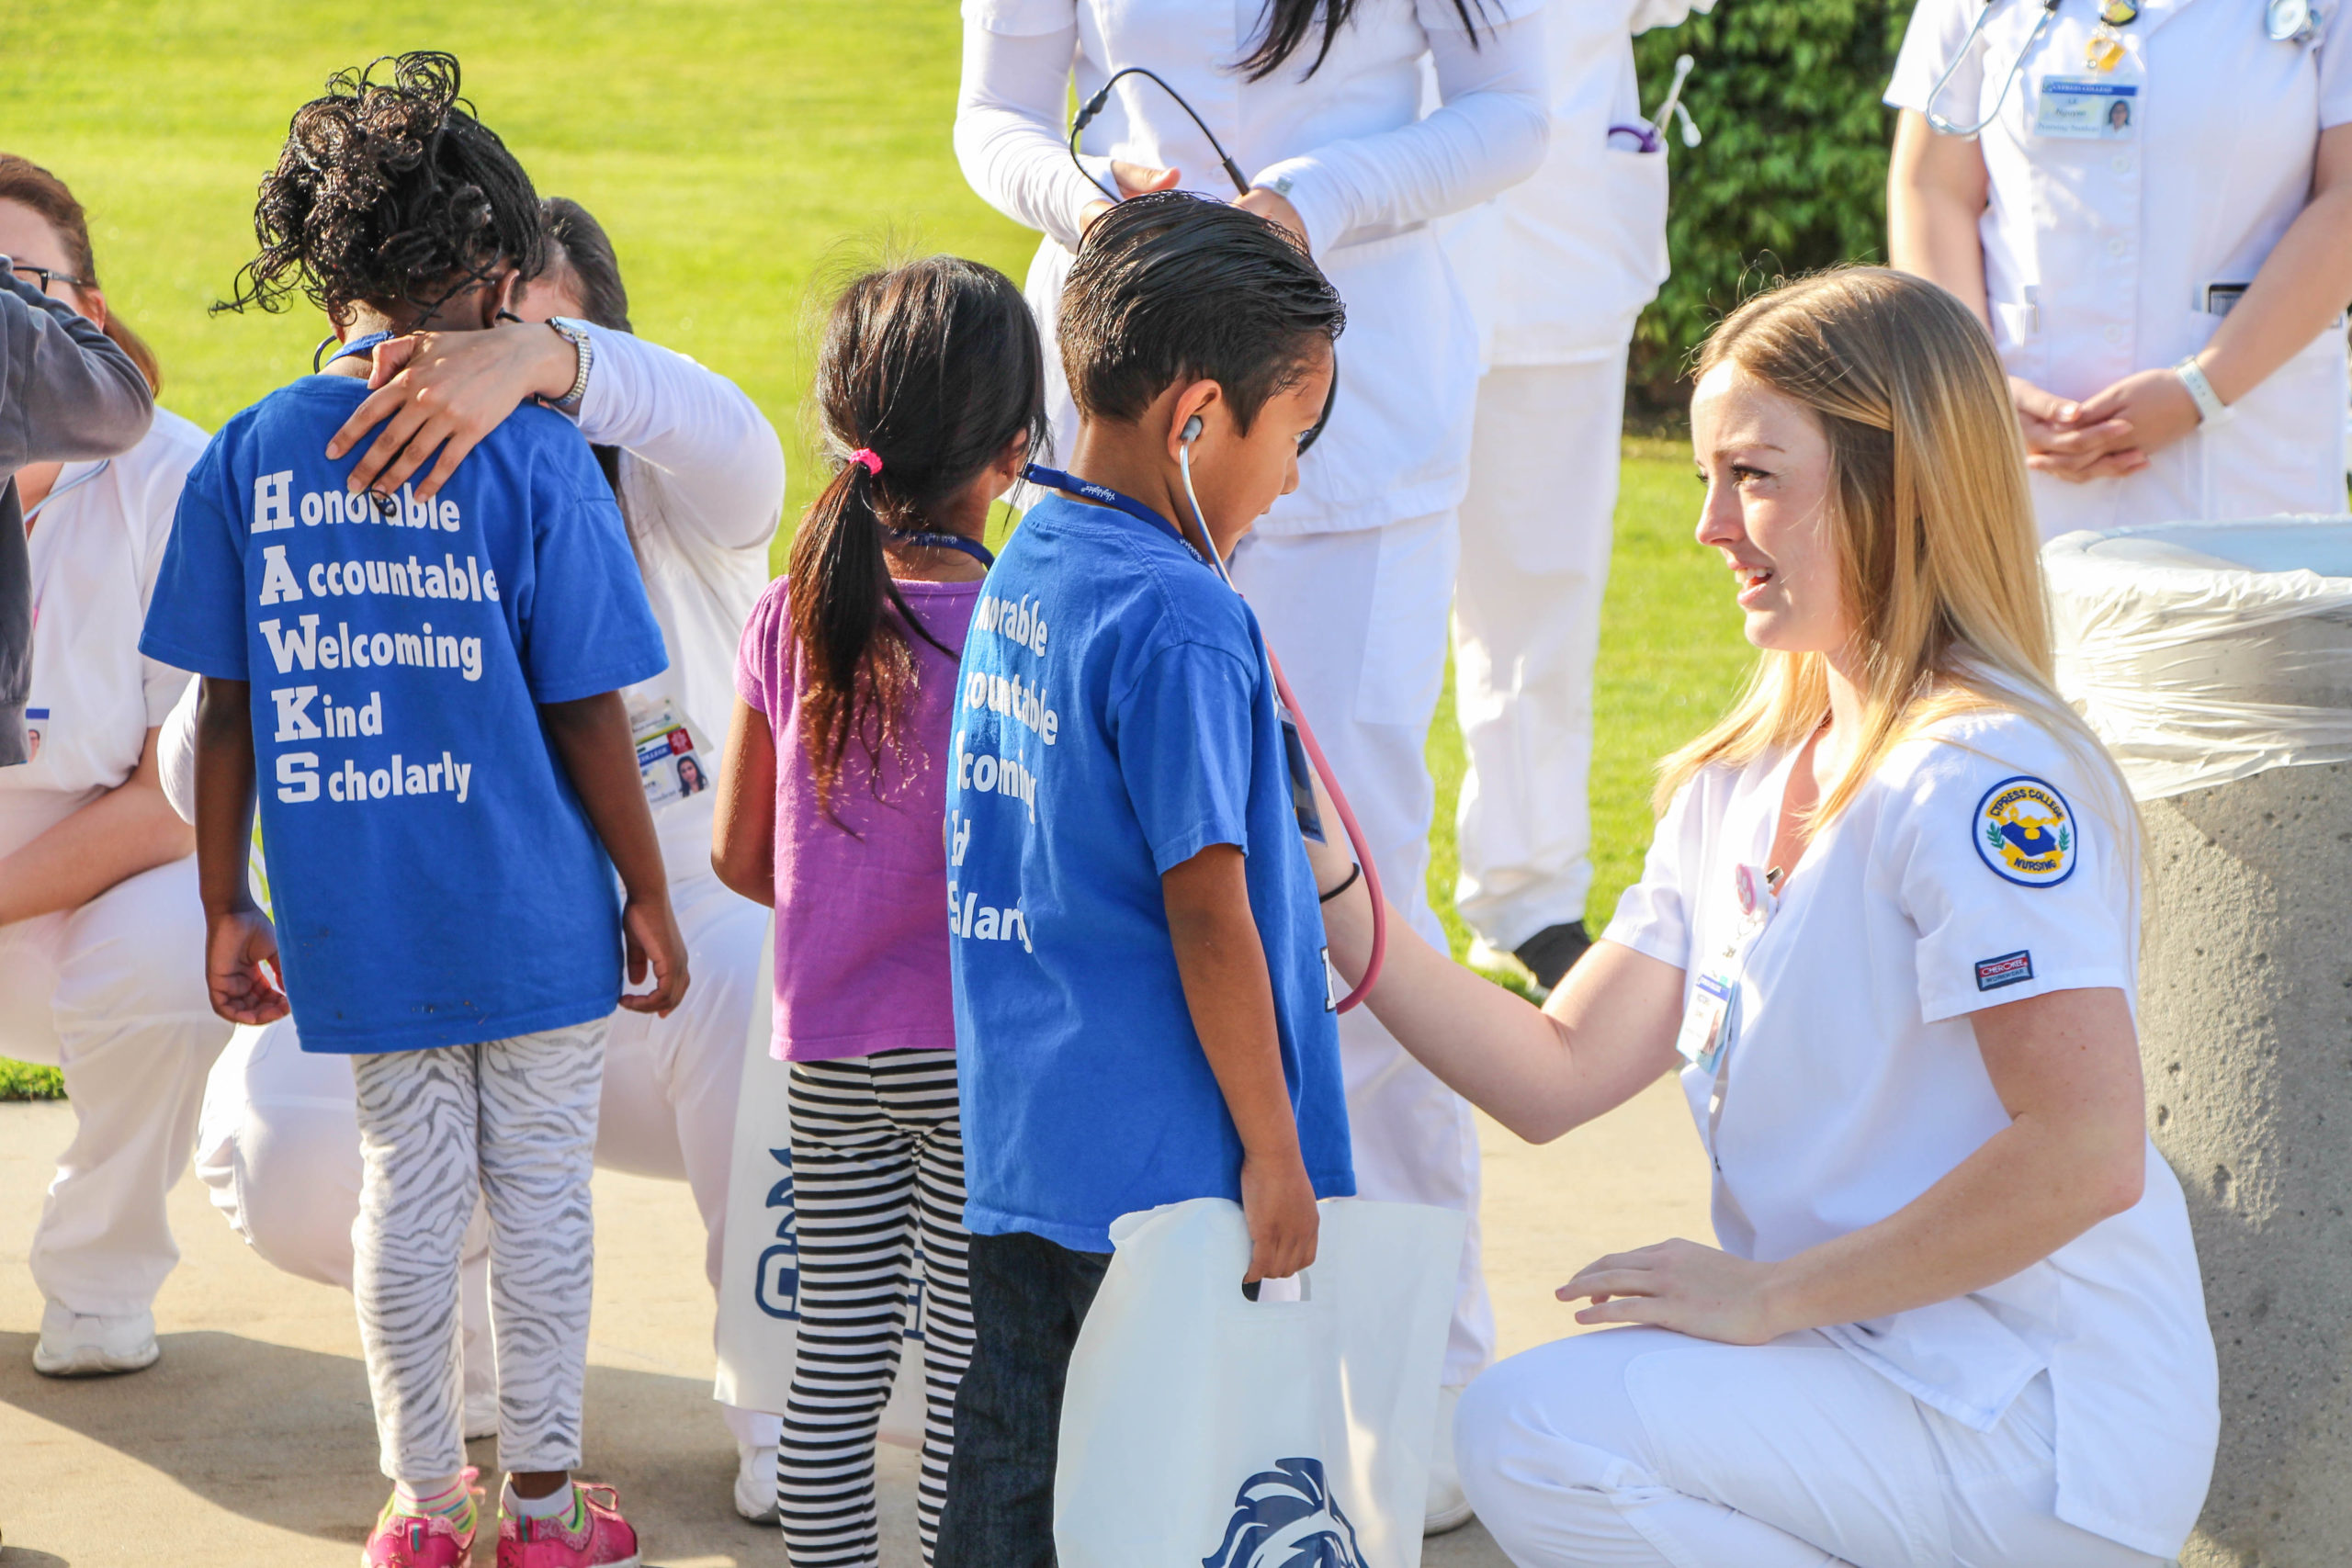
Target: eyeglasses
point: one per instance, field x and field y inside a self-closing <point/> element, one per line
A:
<point x="44" y="277"/>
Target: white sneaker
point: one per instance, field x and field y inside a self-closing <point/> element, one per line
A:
<point x="755" y="1482"/>
<point x="1448" y="1509"/>
<point x="82" y="1345"/>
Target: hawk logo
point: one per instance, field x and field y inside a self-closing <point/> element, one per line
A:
<point x="2025" y="833"/>
<point x="1287" y="1517"/>
<point x="777" y="1287"/>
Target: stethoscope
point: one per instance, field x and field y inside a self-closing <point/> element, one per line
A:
<point x="1103" y="495"/>
<point x="2283" y="21"/>
<point x="1649" y="136"/>
<point x="1085" y="117"/>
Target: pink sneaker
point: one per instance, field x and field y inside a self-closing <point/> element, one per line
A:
<point x="592" y="1536"/>
<point x="421" y="1540"/>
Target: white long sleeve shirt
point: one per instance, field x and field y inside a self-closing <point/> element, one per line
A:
<point x="1348" y="147"/>
<point x="702" y="488"/>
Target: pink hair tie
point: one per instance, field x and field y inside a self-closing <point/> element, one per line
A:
<point x="870" y="458"/>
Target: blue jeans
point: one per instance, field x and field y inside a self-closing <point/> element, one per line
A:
<point x="1029" y="1296"/>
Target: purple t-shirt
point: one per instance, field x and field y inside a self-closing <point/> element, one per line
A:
<point x="861" y="953"/>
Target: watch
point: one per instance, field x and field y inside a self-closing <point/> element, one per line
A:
<point x="574" y="332"/>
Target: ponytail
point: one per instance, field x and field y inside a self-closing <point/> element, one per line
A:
<point x="928" y="372"/>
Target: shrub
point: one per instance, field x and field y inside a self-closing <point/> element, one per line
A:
<point x="1790" y="176"/>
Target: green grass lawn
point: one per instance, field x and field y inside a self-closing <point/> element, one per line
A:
<point x="740" y="154"/>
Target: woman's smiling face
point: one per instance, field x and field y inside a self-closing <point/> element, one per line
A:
<point x="1765" y="461"/>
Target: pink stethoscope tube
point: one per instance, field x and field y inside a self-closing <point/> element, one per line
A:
<point x="1314" y="755"/>
<point x="1356" y="839"/>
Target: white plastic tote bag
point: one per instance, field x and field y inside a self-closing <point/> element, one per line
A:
<point x="1201" y="1429"/>
<point x="759" y="1278"/>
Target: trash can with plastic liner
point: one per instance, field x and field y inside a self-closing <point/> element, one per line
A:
<point x="2215" y="660"/>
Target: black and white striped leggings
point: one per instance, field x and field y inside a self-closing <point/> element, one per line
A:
<point x="878" y="1176"/>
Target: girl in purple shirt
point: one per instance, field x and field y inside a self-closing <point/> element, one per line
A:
<point x="932" y="381"/>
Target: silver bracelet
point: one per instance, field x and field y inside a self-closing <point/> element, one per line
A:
<point x="576" y="334"/>
<point x="2210" y="409"/>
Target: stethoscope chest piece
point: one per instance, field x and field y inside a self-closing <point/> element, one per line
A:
<point x="2290" y="21"/>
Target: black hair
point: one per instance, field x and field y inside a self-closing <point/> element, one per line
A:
<point x="388" y="193"/>
<point x="1173" y="287"/>
<point x="1288" y="22"/>
<point x="935" y="368"/>
<point x="588" y="252"/>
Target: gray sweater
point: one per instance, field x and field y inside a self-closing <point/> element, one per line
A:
<point x="67" y="393"/>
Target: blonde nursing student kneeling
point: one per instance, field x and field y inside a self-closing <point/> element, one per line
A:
<point x="1888" y="930"/>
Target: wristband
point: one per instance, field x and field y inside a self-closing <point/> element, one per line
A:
<point x="1354" y="872"/>
<point x="2210" y="409"/>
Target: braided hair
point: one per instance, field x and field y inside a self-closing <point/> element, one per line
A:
<point x="389" y="192"/>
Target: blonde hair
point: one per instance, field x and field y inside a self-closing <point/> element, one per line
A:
<point x="1938" y="557"/>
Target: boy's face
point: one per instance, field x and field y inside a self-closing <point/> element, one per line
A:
<point x="1238" y="477"/>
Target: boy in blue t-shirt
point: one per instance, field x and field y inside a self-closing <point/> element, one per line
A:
<point x="428" y="695"/>
<point x="1142" y="1008"/>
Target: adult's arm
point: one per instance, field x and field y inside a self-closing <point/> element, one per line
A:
<point x="1491" y="132"/>
<point x="443" y="393"/>
<point x="130" y="829"/>
<point x="2066" y="1066"/>
<point x="2302" y="286"/>
<point x="1605" y="1034"/>
<point x="67" y="393"/>
<point x="1009" y="139"/>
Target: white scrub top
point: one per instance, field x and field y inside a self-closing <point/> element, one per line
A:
<point x="1982" y="863"/>
<point x="2098" y="248"/>
<point x="1348" y="147"/>
<point x="1557" y="267"/>
<point x="97" y="544"/>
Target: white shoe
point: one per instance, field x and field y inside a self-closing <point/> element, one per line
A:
<point x="1448" y="1509"/>
<point x="82" y="1345"/>
<point x="755" y="1482"/>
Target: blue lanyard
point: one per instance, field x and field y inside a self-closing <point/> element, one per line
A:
<point x="972" y="547"/>
<point x="1103" y="495"/>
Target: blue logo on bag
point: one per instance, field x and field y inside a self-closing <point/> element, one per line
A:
<point x="776" y="1286"/>
<point x="1287" y="1517"/>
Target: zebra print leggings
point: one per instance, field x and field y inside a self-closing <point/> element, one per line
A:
<point x="514" y="1123"/>
<point x="877" y="1177"/>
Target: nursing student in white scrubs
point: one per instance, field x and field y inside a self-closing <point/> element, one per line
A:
<point x="1318" y="102"/>
<point x="101" y="931"/>
<point x="2155" y="220"/>
<point x="700" y="477"/>
<point x="1889" y="933"/>
<point x="1556" y="270"/>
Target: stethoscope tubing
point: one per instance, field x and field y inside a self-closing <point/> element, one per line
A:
<point x="1960" y="57"/>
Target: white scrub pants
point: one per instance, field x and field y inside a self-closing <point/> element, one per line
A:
<point x="1639" y="1447"/>
<point x="113" y="994"/>
<point x="1535" y="534"/>
<point x="280" y="1142"/>
<point x="1357" y="619"/>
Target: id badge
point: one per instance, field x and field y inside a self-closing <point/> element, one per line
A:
<point x="1704" y="1031"/>
<point x="668" y="764"/>
<point x="2087" y="109"/>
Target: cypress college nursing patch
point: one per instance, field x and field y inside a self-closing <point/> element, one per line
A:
<point x="2025" y="832"/>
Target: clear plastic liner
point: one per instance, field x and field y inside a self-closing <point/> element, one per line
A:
<point x="2206" y="652"/>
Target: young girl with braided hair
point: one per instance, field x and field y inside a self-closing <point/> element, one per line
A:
<point x="931" y="381"/>
<point x="427" y="692"/>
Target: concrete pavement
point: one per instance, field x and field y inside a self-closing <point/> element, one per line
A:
<point x="251" y="1442"/>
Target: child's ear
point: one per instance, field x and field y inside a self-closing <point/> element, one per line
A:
<point x="1190" y="416"/>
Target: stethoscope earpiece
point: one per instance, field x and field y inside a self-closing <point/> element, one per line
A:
<point x="1192" y="431"/>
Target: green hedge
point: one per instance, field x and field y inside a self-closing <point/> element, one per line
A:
<point x="21" y="1080"/>
<point x="1790" y="175"/>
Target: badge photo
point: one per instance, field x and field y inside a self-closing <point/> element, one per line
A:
<point x="2026" y="833"/>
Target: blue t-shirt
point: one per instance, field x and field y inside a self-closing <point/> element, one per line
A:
<point x="434" y="878"/>
<point x="1116" y="717"/>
